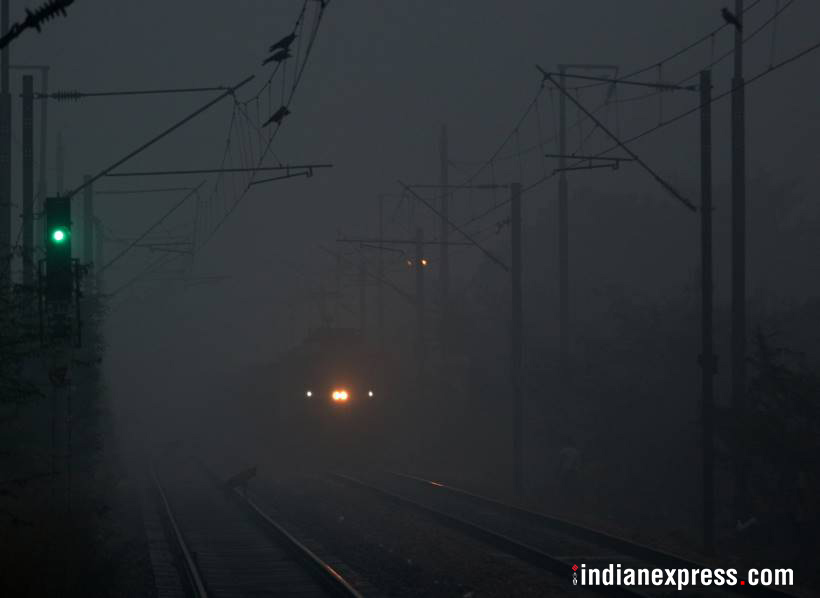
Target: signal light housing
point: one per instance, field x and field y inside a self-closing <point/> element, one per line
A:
<point x="58" y="248"/>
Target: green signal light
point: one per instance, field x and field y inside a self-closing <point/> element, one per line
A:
<point x="59" y="235"/>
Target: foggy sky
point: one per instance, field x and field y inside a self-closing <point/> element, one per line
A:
<point x="382" y="78"/>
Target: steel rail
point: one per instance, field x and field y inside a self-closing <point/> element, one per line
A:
<point x="330" y="579"/>
<point x="626" y="547"/>
<point x="191" y="568"/>
<point x="523" y="551"/>
<point x="326" y="575"/>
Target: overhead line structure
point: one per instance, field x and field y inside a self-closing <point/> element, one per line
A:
<point x="457" y="228"/>
<point x="404" y="294"/>
<point x="786" y="61"/>
<point x="285" y="167"/>
<point x="6" y="249"/>
<point x="148" y="231"/>
<point x="161" y="260"/>
<point x="738" y="295"/>
<point x="516" y="320"/>
<point x="289" y="175"/>
<point x="140" y="191"/>
<point x="372" y="242"/>
<point x="495" y="157"/>
<point x="300" y="69"/>
<point x="710" y="65"/>
<point x="622" y="81"/>
<point x="665" y="184"/>
<point x="42" y="185"/>
<point x="157" y="138"/>
<point x="715" y="98"/>
<point x="563" y="214"/>
<point x="70" y="96"/>
<point x="672" y="56"/>
<point x="34" y="20"/>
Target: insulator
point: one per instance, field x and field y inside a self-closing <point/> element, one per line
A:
<point x="67" y="96"/>
<point x="46" y="12"/>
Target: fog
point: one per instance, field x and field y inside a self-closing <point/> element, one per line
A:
<point x="206" y="349"/>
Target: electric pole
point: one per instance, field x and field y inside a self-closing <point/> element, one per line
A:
<point x="88" y="220"/>
<point x="28" y="181"/>
<point x="707" y="356"/>
<point x="362" y="297"/>
<point x="563" y="234"/>
<point x="98" y="253"/>
<point x="739" y="257"/>
<point x="563" y="215"/>
<point x="42" y="186"/>
<point x="60" y="163"/>
<point x="516" y="331"/>
<point x="516" y="316"/>
<point x="337" y="306"/>
<point x="444" y="259"/>
<point x="42" y="190"/>
<point x="380" y="274"/>
<point x="419" y="264"/>
<point x="5" y="155"/>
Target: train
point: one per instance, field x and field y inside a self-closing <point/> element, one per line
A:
<point x="332" y="369"/>
<point x="329" y="392"/>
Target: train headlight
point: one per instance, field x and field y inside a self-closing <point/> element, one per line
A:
<point x="369" y="393"/>
<point x="340" y="396"/>
<point x="309" y="394"/>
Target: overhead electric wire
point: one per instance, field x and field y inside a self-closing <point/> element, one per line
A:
<point x="642" y="96"/>
<point x="148" y="231"/>
<point x="456" y="228"/>
<point x="814" y="47"/>
<point x="156" y="138"/>
<point x="165" y="258"/>
<point x="495" y="156"/>
<point x="674" y="55"/>
<point x="297" y="78"/>
<point x="712" y="63"/>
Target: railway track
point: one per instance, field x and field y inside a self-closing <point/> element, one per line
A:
<point x="230" y="547"/>
<point x="547" y="542"/>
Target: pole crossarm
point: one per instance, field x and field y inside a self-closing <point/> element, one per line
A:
<point x="70" y="96"/>
<point x="654" y="85"/>
<point x="577" y="157"/>
<point x="620" y="143"/>
<point x="289" y="175"/>
<point x="456" y="228"/>
<point x="162" y="135"/>
<point x="139" y="191"/>
<point x="611" y="67"/>
<point x="400" y="242"/>
<point x="613" y="166"/>
<point x="483" y="186"/>
<point x="284" y="167"/>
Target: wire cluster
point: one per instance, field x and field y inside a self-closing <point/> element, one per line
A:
<point x="35" y="20"/>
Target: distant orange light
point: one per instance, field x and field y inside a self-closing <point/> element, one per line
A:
<point x="424" y="262"/>
<point x="340" y="395"/>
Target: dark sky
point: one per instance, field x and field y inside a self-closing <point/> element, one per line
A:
<point x="382" y="79"/>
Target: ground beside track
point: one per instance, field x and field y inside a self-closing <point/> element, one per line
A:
<point x="399" y="551"/>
